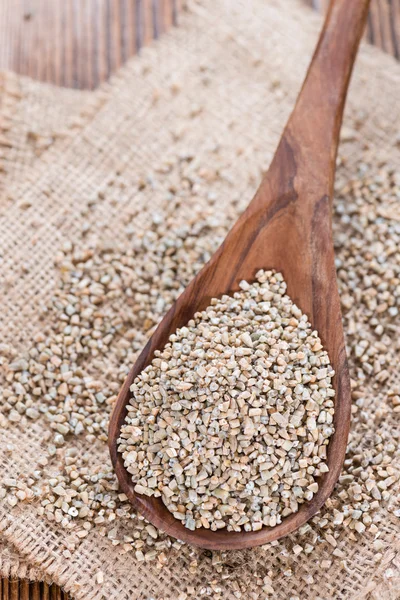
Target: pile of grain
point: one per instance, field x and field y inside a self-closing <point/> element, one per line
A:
<point x="230" y="422"/>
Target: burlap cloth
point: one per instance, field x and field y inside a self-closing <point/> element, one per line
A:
<point x="34" y="117"/>
<point x="237" y="67"/>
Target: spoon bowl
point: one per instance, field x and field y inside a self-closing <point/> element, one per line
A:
<point x="286" y="227"/>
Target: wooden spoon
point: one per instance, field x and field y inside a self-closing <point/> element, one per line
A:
<point x="286" y="227"/>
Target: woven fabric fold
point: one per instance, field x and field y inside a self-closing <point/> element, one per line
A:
<point x="218" y="90"/>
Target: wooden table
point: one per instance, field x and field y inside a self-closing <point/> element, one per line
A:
<point x="79" y="44"/>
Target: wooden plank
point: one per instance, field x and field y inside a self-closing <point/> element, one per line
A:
<point x="130" y="29"/>
<point x="148" y="25"/>
<point x="77" y="43"/>
<point x="14" y="590"/>
<point x="45" y="592"/>
<point x="375" y="24"/>
<point x="23" y="591"/>
<point x="166" y="20"/>
<point x="35" y="591"/>
<point x="395" y="26"/>
<point x="383" y="28"/>
<point x="386" y="29"/>
<point x="55" y="593"/>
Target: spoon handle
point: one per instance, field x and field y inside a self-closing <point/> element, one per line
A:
<point x="317" y="116"/>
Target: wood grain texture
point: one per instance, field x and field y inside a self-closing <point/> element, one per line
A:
<point x="286" y="227"/>
<point x="383" y="26"/>
<point x="25" y="590"/>
<point x="78" y="43"/>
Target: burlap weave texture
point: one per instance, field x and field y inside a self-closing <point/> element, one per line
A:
<point x="243" y="65"/>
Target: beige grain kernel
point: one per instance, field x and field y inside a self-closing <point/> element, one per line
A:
<point x="239" y="381"/>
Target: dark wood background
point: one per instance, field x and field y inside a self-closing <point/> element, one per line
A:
<point x="24" y="590"/>
<point x="79" y="44"/>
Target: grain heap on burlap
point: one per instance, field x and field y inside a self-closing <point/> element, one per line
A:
<point x="202" y="108"/>
<point x="33" y="118"/>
